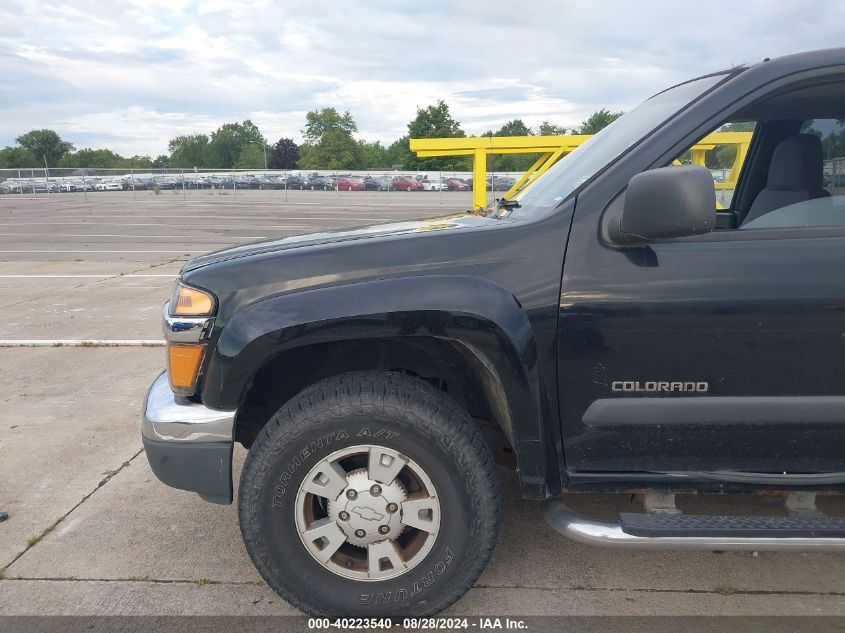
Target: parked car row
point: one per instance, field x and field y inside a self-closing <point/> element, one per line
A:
<point x="495" y="183"/>
<point x="376" y="183"/>
<point x="284" y="181"/>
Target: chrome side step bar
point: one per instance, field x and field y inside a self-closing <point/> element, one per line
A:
<point x="594" y="532"/>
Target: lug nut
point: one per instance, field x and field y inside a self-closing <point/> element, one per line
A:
<point x="383" y="529"/>
<point x="351" y="494"/>
<point x="344" y="515"/>
<point x="360" y="533"/>
<point x="375" y="490"/>
<point x="392" y="508"/>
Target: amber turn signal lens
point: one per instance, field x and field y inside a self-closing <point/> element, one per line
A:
<point x="187" y="301"/>
<point x="183" y="363"/>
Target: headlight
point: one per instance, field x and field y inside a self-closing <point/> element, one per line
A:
<point x="190" y="302"/>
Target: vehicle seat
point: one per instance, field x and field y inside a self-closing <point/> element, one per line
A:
<point x="795" y="175"/>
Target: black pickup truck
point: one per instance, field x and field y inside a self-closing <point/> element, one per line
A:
<point x="609" y="327"/>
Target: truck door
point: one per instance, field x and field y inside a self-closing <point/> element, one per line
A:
<point x="726" y="351"/>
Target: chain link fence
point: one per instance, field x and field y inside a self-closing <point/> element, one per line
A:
<point x="833" y="176"/>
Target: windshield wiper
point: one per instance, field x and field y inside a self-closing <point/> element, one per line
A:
<point x="504" y="203"/>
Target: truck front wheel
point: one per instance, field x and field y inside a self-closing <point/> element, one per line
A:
<point x="369" y="494"/>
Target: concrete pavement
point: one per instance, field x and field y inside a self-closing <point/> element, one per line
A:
<point x="92" y="531"/>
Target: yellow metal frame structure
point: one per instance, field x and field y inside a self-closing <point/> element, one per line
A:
<point x="551" y="148"/>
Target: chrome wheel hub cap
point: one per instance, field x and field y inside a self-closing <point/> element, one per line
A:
<point x="368" y="513"/>
<point x="368" y="507"/>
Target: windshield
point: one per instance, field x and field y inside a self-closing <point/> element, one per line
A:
<point x="576" y="168"/>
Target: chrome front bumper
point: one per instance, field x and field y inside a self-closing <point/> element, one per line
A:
<point x="166" y="420"/>
<point x="188" y="445"/>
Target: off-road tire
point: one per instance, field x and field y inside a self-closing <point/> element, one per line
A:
<point x="397" y="412"/>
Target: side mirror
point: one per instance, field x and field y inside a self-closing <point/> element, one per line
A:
<point x="667" y="202"/>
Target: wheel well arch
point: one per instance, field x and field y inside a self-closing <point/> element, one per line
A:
<point x="466" y="334"/>
<point x="455" y="367"/>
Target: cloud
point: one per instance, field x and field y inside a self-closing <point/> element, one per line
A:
<point x="131" y="75"/>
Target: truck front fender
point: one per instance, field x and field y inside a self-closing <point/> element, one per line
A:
<point x="477" y="313"/>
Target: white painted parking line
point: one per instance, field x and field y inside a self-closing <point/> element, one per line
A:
<point x="103" y="276"/>
<point x="201" y="216"/>
<point x="82" y="343"/>
<point x="226" y="227"/>
<point x="145" y="237"/>
<point x="170" y="250"/>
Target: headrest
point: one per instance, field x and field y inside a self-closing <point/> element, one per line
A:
<point x="796" y="164"/>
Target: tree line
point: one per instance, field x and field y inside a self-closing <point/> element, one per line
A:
<point x="328" y="143"/>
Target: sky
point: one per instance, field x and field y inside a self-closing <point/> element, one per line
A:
<point x="131" y="74"/>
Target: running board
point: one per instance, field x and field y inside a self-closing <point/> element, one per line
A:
<point x="677" y="531"/>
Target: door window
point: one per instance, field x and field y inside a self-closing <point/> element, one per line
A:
<point x="825" y="207"/>
<point x="795" y="174"/>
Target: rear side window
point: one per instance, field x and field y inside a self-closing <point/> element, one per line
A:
<point x="832" y="135"/>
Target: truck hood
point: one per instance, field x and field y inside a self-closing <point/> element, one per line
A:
<point x="441" y="223"/>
